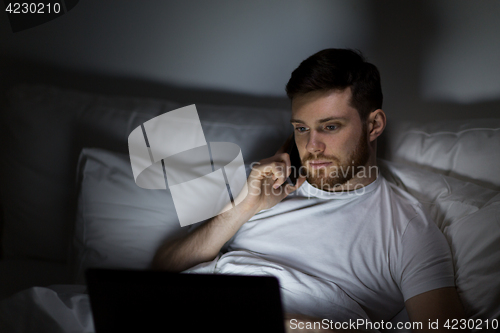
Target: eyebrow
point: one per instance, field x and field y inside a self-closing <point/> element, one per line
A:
<point x="321" y="121"/>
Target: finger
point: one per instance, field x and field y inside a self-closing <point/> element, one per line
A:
<point x="285" y="158"/>
<point x="278" y="182"/>
<point x="301" y="180"/>
<point x="290" y="189"/>
<point x="276" y="170"/>
<point x="285" y="145"/>
<point x="279" y="173"/>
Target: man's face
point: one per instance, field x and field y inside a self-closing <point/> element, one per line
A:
<point x="331" y="139"/>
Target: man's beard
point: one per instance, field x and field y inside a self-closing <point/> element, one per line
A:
<point x="339" y="172"/>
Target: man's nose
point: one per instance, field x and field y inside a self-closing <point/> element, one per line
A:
<point x="315" y="144"/>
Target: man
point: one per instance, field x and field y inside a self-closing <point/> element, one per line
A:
<point x="345" y="244"/>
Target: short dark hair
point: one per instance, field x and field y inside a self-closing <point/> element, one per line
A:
<point x="338" y="69"/>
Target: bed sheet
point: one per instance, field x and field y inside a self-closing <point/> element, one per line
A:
<point x="54" y="309"/>
<point x="19" y="274"/>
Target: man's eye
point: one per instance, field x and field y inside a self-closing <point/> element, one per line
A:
<point x="331" y="127"/>
<point x="300" y="129"/>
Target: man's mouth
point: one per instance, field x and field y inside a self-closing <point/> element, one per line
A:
<point x="319" y="164"/>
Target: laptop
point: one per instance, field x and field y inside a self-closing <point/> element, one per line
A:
<point x="155" y="301"/>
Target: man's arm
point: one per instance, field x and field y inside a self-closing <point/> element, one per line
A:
<point x="204" y="243"/>
<point x="441" y="305"/>
<point x="266" y="187"/>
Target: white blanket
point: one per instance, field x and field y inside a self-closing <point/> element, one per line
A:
<point x="300" y="293"/>
<point x="57" y="309"/>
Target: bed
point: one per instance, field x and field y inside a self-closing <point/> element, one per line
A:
<point x="69" y="201"/>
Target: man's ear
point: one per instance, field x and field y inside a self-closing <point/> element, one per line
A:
<point x="375" y="124"/>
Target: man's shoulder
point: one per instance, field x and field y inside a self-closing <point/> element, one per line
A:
<point x="398" y="195"/>
<point x="402" y="207"/>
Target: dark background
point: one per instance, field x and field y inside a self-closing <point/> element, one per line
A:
<point x="439" y="59"/>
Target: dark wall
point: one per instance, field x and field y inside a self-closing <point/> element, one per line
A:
<point x="438" y="59"/>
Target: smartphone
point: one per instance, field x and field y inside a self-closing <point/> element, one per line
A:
<point x="295" y="162"/>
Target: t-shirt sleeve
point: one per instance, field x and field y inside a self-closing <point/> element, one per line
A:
<point x="424" y="260"/>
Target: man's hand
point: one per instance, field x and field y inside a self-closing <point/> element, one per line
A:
<point x="267" y="181"/>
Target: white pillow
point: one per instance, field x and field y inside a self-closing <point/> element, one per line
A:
<point x="119" y="224"/>
<point x="464" y="149"/>
<point x="468" y="215"/>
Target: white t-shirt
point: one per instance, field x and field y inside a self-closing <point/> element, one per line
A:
<point x="374" y="245"/>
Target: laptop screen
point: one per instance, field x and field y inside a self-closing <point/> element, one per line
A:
<point x="154" y="301"/>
